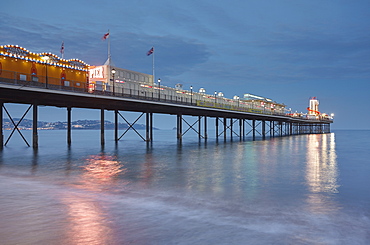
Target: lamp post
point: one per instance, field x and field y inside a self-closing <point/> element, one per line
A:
<point x="113" y="73"/>
<point x="191" y="94"/>
<point x="215" y="97"/>
<point x="159" y="89"/>
<point x="237" y="98"/>
<point x="46" y="59"/>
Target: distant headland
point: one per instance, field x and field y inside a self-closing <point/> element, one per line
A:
<point x="26" y="124"/>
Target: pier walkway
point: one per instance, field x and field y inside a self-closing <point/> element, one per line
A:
<point x="230" y="116"/>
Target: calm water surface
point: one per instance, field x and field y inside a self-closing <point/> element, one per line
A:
<point x="308" y="189"/>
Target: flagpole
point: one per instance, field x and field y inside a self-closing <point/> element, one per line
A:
<point x="153" y="65"/>
<point x="109" y="57"/>
<point x="63" y="50"/>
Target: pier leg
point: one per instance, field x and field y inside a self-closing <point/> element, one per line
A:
<point x="281" y="128"/>
<point x="205" y="128"/>
<point x="179" y="127"/>
<point x="216" y="128"/>
<point x="243" y="128"/>
<point x="240" y="129"/>
<point x="148" y="126"/>
<point x="116" y="126"/>
<point x="102" y="140"/>
<point x="263" y="129"/>
<point x="1" y="125"/>
<point x="254" y="129"/>
<point x="69" y="126"/>
<point x="272" y="129"/>
<point x="151" y="126"/>
<point x="225" y="128"/>
<point x="231" y="128"/>
<point x="35" y="142"/>
<point x="199" y="127"/>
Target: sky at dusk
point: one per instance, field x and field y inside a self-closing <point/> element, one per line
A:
<point x="286" y="50"/>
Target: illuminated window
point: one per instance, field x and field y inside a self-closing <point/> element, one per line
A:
<point x="23" y="77"/>
<point x="66" y="83"/>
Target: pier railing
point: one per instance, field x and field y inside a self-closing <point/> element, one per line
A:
<point x="142" y="91"/>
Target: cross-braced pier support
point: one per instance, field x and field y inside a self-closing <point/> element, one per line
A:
<point x="226" y="127"/>
<point x="191" y="126"/>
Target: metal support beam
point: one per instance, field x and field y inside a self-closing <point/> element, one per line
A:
<point x="35" y="140"/>
<point x="263" y="130"/>
<point x="1" y="125"/>
<point x="102" y="139"/>
<point x="151" y="126"/>
<point x="116" y="125"/>
<point x="148" y="127"/>
<point x="243" y="126"/>
<point x="216" y="128"/>
<point x="205" y="128"/>
<point x="231" y="128"/>
<point x="272" y="128"/>
<point x="16" y="126"/>
<point x="179" y="127"/>
<point x="241" y="135"/>
<point x="254" y="129"/>
<point x="281" y="128"/>
<point x="69" y="125"/>
<point x="225" y="127"/>
<point x="199" y="127"/>
<point x="131" y="126"/>
<point x="191" y="126"/>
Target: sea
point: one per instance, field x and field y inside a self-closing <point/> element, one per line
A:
<point x="302" y="189"/>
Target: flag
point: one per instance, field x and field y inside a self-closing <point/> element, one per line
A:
<point x="62" y="48"/>
<point x="106" y="35"/>
<point x="150" y="51"/>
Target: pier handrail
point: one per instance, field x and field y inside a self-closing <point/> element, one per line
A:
<point x="147" y="92"/>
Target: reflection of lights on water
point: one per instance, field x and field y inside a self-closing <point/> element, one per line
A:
<point x="322" y="173"/>
<point x="101" y="172"/>
<point x="103" y="167"/>
<point x="87" y="222"/>
<point x="321" y="170"/>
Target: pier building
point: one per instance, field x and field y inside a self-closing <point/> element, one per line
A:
<point x="47" y="68"/>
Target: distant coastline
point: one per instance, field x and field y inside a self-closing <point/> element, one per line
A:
<point x="27" y="124"/>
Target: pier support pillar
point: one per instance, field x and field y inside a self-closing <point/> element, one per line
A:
<point x="205" y="128"/>
<point x="281" y="128"/>
<point x="199" y="127"/>
<point x="1" y="125"/>
<point x="35" y="141"/>
<point x="102" y="140"/>
<point x="216" y="126"/>
<point x="231" y="128"/>
<point x="243" y="128"/>
<point x="254" y="129"/>
<point x="263" y="129"/>
<point x="241" y="134"/>
<point x="149" y="126"/>
<point x="69" y="125"/>
<point x="179" y="127"/>
<point x="116" y="125"/>
<point x="225" y="128"/>
<point x="272" y="129"/>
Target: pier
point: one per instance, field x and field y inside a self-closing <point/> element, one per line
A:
<point x="45" y="79"/>
<point x="229" y="123"/>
